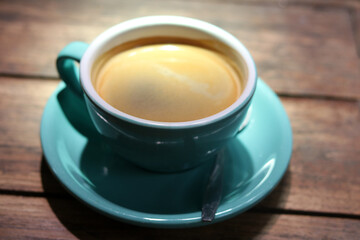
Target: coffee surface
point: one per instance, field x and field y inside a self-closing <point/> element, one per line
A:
<point x="167" y="82"/>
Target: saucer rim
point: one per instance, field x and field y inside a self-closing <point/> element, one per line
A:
<point x="117" y="212"/>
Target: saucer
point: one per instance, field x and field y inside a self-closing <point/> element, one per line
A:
<point x="255" y="161"/>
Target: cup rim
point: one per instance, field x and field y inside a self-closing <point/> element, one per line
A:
<point x="151" y="21"/>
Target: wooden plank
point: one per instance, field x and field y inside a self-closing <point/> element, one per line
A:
<point x="326" y="157"/>
<point x="320" y="3"/>
<point x="298" y="49"/>
<point x="40" y="218"/>
<point x="356" y="27"/>
<point x="21" y="106"/>
<point x="323" y="175"/>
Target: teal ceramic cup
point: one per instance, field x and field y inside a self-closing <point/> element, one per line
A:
<point x="158" y="146"/>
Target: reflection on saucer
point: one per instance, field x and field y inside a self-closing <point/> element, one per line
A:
<point x="127" y="185"/>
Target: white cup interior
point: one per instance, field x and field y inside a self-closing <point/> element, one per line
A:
<point x="167" y="26"/>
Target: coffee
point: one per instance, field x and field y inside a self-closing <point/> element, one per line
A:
<point x="167" y="81"/>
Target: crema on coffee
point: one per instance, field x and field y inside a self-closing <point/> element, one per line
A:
<point x="167" y="82"/>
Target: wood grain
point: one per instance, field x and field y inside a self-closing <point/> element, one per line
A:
<point x="298" y="49"/>
<point x="40" y="218"/>
<point x="317" y="3"/>
<point x="325" y="164"/>
<point x="356" y="27"/>
<point x="21" y="106"/>
<point x="323" y="175"/>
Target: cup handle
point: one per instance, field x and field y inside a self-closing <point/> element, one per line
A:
<point x="246" y="120"/>
<point x="67" y="69"/>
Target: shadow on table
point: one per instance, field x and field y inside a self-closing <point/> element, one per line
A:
<point x="85" y="223"/>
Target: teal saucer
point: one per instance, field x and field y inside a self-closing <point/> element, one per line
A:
<point x="255" y="161"/>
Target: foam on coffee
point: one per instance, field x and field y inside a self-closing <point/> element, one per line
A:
<point x="167" y="82"/>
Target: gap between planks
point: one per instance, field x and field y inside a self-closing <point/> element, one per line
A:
<point x="262" y="210"/>
<point x="280" y="94"/>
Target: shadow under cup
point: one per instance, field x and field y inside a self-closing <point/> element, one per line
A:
<point x="162" y="146"/>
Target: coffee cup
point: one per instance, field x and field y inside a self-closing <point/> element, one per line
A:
<point x="165" y="92"/>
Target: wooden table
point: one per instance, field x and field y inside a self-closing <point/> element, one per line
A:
<point x="307" y="51"/>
